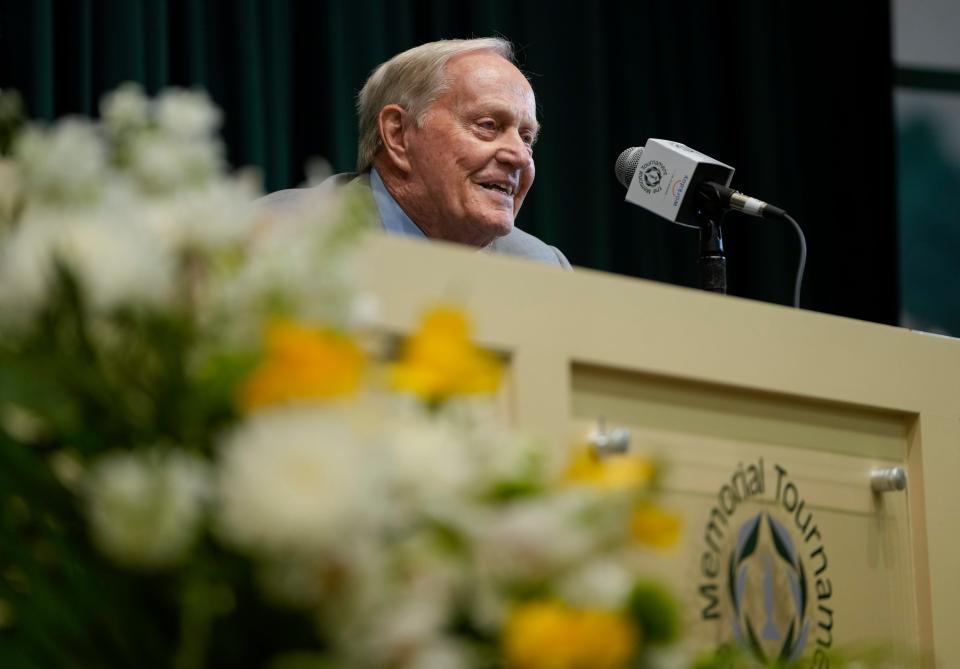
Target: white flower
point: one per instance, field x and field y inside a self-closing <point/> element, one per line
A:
<point x="295" y="480"/>
<point x="25" y="271"/>
<point x="500" y="455"/>
<point x="364" y="310"/>
<point x="428" y="461"/>
<point x="297" y="261"/>
<point x="675" y="656"/>
<point x="145" y="507"/>
<point x="115" y="263"/>
<point x="441" y="654"/>
<point x="187" y="114"/>
<point x="406" y="624"/>
<point x="62" y="165"/>
<point x="345" y="583"/>
<point x="125" y="109"/>
<point x="155" y="162"/>
<point x="604" y="583"/>
<point x="208" y="219"/>
<point x="162" y="164"/>
<point x="395" y="606"/>
<point x="533" y="539"/>
<point x="442" y="461"/>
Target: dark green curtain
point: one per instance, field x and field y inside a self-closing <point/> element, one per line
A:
<point x="929" y="180"/>
<point x="796" y="95"/>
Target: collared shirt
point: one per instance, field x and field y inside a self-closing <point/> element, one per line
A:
<point x="395" y="220"/>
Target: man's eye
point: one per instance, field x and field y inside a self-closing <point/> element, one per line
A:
<point x="487" y="125"/>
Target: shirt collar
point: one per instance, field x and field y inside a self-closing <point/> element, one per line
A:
<point x="394" y="218"/>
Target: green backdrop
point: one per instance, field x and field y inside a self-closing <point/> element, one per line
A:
<point x="796" y="95"/>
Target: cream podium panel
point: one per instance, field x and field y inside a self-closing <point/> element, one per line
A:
<point x="770" y="422"/>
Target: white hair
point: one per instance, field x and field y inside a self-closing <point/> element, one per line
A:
<point x="413" y="79"/>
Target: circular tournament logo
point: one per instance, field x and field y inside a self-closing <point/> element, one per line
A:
<point x="650" y="176"/>
<point x="764" y="562"/>
<point x="765" y="572"/>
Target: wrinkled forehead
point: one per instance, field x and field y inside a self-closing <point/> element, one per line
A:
<point x="478" y="78"/>
<point x="497" y="71"/>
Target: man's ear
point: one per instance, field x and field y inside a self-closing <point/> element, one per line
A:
<point x="392" y="123"/>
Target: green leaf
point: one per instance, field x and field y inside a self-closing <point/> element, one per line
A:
<point x="655" y="611"/>
<point x="510" y="490"/>
<point x="31" y="383"/>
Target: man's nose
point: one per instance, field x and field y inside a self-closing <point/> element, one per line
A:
<point x="514" y="151"/>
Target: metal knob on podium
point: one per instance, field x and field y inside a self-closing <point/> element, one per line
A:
<point x="888" y="479"/>
<point x="606" y="442"/>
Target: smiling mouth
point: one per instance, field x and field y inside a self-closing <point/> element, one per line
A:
<point x="500" y="188"/>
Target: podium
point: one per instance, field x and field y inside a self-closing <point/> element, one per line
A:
<point x="770" y="422"/>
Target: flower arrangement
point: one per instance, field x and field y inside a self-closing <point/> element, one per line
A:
<point x="207" y="457"/>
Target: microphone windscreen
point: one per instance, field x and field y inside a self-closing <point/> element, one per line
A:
<point x="627" y="163"/>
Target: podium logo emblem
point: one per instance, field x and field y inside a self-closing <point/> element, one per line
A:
<point x="765" y="581"/>
<point x="764" y="562"/>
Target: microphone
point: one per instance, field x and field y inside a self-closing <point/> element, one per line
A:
<point x="676" y="182"/>
<point x="686" y="187"/>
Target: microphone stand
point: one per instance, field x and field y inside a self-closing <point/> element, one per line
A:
<point x="712" y="261"/>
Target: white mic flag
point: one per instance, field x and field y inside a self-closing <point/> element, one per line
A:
<point x="665" y="177"/>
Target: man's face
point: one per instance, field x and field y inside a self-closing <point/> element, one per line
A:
<point x="472" y="160"/>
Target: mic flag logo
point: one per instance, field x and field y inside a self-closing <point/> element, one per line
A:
<point x="650" y="176"/>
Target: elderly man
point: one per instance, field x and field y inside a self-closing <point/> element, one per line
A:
<point x="446" y="147"/>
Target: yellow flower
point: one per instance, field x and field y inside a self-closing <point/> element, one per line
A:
<point x="615" y="472"/>
<point x="302" y="363"/>
<point x="655" y="526"/>
<point x="439" y="360"/>
<point x="551" y="635"/>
